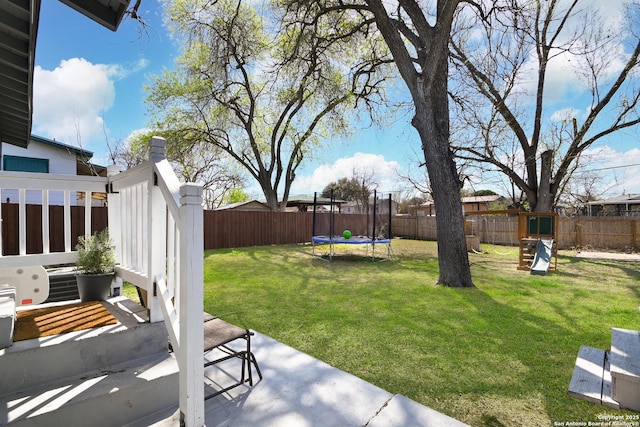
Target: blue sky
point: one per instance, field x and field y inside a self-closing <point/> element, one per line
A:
<point x="88" y="89"/>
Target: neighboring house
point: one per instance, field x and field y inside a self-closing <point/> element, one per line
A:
<point x="480" y="203"/>
<point x="251" y="205"/>
<point x="625" y="205"/>
<point x="469" y="204"/>
<point x="47" y="156"/>
<point x="382" y="207"/>
<point x="303" y="203"/>
<point x="427" y="208"/>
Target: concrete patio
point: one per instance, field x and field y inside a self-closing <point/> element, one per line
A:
<point x="298" y="390"/>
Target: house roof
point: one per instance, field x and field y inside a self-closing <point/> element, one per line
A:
<point x="254" y="204"/>
<point x="470" y="199"/>
<point x="481" y="199"/>
<point x="304" y="200"/>
<point x="108" y="13"/>
<point x="620" y="200"/>
<point x="78" y="152"/>
<point x="18" y="33"/>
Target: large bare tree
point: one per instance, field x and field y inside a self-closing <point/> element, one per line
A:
<point x="508" y="99"/>
<point x="417" y="35"/>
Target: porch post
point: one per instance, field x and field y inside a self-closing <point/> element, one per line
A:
<point x="191" y="298"/>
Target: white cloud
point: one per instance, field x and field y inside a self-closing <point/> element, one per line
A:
<point x="619" y="170"/>
<point x="383" y="173"/>
<point x="69" y="101"/>
<point x="564" y="115"/>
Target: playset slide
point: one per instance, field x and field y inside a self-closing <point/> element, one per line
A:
<point x="542" y="258"/>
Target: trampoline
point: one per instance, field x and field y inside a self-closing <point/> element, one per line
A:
<point x="332" y="239"/>
<point x="356" y="240"/>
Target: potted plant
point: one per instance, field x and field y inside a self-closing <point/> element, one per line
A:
<point x="95" y="266"/>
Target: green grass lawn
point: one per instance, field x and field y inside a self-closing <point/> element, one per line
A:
<point x="501" y="354"/>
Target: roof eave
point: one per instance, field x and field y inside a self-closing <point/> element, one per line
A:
<point x="108" y="14"/>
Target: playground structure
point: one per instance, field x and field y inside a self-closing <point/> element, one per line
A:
<point x="538" y="234"/>
<point x="537" y="237"/>
<point x="380" y="233"/>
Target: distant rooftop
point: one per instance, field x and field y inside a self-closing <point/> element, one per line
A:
<point x="623" y="199"/>
<point x="308" y="200"/>
<point x="249" y="203"/>
<point x="481" y="199"/>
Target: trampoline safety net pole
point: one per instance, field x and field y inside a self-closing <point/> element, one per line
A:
<point x="331" y="220"/>
<point x="375" y="203"/>
<point x="389" y="228"/>
<point x="331" y="225"/>
<point x="313" y="223"/>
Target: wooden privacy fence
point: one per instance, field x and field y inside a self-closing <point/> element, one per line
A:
<point x="230" y="229"/>
<point x="578" y="232"/>
<point x="600" y="233"/>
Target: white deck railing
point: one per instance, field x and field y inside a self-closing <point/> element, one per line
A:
<point x="157" y="227"/>
<point x="156" y="224"/>
<point x="70" y="187"/>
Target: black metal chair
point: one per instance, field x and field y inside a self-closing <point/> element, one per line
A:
<point x="217" y="335"/>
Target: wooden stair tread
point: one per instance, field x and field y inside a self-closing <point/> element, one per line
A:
<point x="586" y="382"/>
<point x="591" y="380"/>
<point x="625" y="354"/>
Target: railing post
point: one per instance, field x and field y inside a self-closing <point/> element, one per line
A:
<point x="113" y="214"/>
<point x="191" y="306"/>
<point x="157" y="230"/>
<point x="157" y="149"/>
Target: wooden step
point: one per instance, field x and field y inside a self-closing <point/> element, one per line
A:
<point x="33" y="362"/>
<point x="591" y="380"/>
<point x="625" y="367"/>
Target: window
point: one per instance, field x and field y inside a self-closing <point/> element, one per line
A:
<point x="25" y="164"/>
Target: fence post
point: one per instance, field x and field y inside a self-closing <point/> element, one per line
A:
<point x="191" y="380"/>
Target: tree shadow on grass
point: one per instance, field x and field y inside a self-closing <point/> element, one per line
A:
<point x="507" y="366"/>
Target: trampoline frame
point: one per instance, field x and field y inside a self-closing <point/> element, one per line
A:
<point x="333" y="239"/>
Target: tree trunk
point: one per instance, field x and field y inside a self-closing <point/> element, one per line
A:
<point x="544" y="199"/>
<point x="432" y="123"/>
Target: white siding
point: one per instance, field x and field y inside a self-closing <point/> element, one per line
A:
<point x="60" y="162"/>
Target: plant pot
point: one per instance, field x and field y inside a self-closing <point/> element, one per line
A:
<point x="94" y="287"/>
